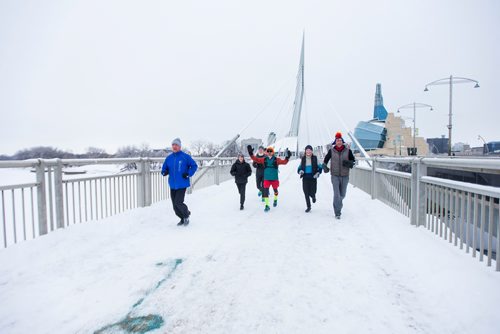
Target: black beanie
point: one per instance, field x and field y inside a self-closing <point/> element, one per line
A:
<point x="308" y="147"/>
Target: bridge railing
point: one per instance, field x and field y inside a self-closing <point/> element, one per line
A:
<point x="54" y="199"/>
<point x="465" y="214"/>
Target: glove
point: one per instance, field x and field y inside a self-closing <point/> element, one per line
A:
<point x="164" y="173"/>
<point x="325" y="168"/>
<point x="185" y="175"/>
<point x="316" y="175"/>
<point x="288" y="154"/>
<point x="348" y="163"/>
<point x="301" y="173"/>
<point x="250" y="150"/>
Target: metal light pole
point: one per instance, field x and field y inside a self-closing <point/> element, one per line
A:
<point x="415" y="106"/>
<point x="485" y="145"/>
<point x="450" y="81"/>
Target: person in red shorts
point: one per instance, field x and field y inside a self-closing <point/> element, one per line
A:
<point x="271" y="164"/>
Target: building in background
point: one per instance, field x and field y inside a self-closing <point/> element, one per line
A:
<point x="254" y="142"/>
<point x="438" y="145"/>
<point x="387" y="134"/>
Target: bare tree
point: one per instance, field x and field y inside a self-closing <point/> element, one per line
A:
<point x="95" y="153"/>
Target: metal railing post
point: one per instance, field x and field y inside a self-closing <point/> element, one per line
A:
<point x="422" y="195"/>
<point x="374" y="184"/>
<point x="58" y="189"/>
<point x="141" y="201"/>
<point x="147" y="182"/>
<point x="41" y="198"/>
<point x="414" y="200"/>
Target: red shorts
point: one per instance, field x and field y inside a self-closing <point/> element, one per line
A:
<point x="274" y="183"/>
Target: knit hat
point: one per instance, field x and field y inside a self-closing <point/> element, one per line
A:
<point x="308" y="147"/>
<point x="270" y="148"/>
<point x="176" y="141"/>
<point x="337" y="136"/>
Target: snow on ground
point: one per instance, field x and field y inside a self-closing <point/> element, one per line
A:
<point x="234" y="271"/>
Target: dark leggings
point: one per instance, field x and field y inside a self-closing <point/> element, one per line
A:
<point x="309" y="186"/>
<point x="260" y="181"/>
<point x="241" y="190"/>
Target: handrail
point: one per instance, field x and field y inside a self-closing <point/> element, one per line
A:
<point x="19" y="186"/>
<point x="102" y="161"/>
<point x="464" y="186"/>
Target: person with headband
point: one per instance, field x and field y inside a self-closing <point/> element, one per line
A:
<point x="271" y="164"/>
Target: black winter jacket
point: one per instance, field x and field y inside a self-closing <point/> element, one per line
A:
<point x="259" y="168"/>
<point x="241" y="171"/>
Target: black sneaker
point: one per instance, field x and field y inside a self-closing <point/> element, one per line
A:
<point x="180" y="223"/>
<point x="314" y="199"/>
<point x="308" y="209"/>
<point x="241" y="207"/>
<point x="186" y="221"/>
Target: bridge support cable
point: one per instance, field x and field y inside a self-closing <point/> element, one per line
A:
<point x="348" y="131"/>
<point x="286" y="105"/>
<point x="266" y="106"/>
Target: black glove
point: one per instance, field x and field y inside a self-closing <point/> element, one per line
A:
<point x="288" y="154"/>
<point x="348" y="163"/>
<point x="165" y="173"/>
<point x="185" y="175"/>
<point x="250" y="150"/>
<point x="325" y="168"/>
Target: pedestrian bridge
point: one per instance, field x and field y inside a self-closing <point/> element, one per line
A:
<point x="103" y="254"/>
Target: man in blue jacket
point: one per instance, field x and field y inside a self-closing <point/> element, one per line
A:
<point x="179" y="167"/>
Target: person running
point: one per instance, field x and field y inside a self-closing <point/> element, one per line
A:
<point x="271" y="164"/>
<point x="342" y="160"/>
<point x="309" y="171"/>
<point x="259" y="171"/>
<point x="179" y="167"/>
<point x="241" y="171"/>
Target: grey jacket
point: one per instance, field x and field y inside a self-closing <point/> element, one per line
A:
<point x="336" y="166"/>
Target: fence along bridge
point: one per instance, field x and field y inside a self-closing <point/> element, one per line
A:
<point x="467" y="215"/>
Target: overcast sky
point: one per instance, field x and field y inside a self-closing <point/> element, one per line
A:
<point x="75" y="74"/>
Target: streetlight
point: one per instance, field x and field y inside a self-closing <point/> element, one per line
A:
<point x="485" y="145"/>
<point x="450" y="81"/>
<point x="415" y="105"/>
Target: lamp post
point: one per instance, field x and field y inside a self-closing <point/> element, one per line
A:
<point x="450" y="81"/>
<point x="485" y="145"/>
<point x="415" y="106"/>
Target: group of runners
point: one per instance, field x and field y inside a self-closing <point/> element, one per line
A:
<point x="179" y="166"/>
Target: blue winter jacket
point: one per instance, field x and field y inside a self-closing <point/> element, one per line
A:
<point x="177" y="164"/>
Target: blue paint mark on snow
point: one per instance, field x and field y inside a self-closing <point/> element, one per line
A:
<point x="142" y="324"/>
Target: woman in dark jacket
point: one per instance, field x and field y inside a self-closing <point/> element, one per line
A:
<point x="241" y="171"/>
<point x="309" y="170"/>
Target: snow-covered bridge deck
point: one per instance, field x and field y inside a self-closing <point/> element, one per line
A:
<point x="234" y="271"/>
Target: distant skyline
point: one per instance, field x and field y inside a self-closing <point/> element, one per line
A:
<point x="113" y="73"/>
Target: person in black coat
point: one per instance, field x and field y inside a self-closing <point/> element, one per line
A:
<point x="309" y="170"/>
<point x="241" y="171"/>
